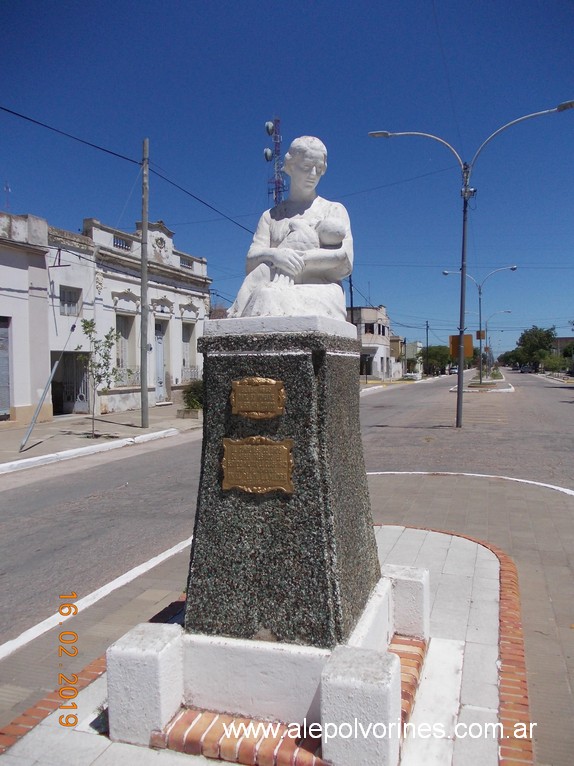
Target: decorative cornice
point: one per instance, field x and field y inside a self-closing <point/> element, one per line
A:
<point x="189" y="308"/>
<point x="128" y="296"/>
<point x="162" y="305"/>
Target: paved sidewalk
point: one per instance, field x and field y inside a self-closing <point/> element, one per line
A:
<point x="459" y="682"/>
<point x="69" y="436"/>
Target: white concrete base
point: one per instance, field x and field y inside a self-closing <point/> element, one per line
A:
<point x="145" y="681"/>
<point x="155" y="668"/>
<point x="360" y="697"/>
<point x="374" y="629"/>
<point x="268" y="325"/>
<point x="411" y="600"/>
<point x="258" y="679"/>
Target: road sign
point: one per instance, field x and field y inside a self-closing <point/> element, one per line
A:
<point x="468" y="347"/>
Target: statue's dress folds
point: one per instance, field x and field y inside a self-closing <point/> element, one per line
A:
<point x="322" y="227"/>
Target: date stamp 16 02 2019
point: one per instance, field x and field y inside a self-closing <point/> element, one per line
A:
<point x="67" y="639"/>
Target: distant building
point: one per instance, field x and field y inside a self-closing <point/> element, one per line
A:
<point x="559" y="344"/>
<point x="414" y="358"/>
<point x="94" y="275"/>
<point x="373" y="330"/>
<point x="398" y="356"/>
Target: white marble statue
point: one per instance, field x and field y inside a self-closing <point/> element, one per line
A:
<point x="302" y="248"/>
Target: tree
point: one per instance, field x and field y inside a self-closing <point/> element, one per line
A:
<point x="535" y="342"/>
<point x="438" y="359"/>
<point x="98" y="361"/>
<point x="553" y="363"/>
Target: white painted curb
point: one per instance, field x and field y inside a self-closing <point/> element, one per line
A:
<point x="55" y="457"/>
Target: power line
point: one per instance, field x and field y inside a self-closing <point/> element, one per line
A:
<point x="69" y="135"/>
<point x="122" y="157"/>
<point x="203" y="202"/>
<point x="396" y="183"/>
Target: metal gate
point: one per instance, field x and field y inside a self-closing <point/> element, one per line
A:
<point x="75" y="384"/>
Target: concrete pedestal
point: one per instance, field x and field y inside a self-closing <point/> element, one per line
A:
<point x="293" y="566"/>
<point x="284" y="564"/>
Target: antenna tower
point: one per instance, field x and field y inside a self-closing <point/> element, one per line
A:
<point x="276" y="185"/>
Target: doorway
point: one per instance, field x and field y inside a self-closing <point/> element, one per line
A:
<point x="70" y="385"/>
<point x="160" y="393"/>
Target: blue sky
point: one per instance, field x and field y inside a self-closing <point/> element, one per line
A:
<point x="200" y="78"/>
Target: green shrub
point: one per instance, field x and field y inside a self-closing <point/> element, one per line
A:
<point x="193" y="395"/>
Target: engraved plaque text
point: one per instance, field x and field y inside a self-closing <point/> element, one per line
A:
<point x="257" y="398"/>
<point x="258" y="464"/>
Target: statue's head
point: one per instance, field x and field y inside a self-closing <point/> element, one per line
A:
<point x="306" y="147"/>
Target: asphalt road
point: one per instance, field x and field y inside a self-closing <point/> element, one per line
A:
<point x="76" y="526"/>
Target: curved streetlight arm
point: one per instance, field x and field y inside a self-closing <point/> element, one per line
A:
<point x="476" y="282"/>
<point x="387" y="134"/>
<point x="494" y="313"/>
<point x="502" y="268"/>
<point x="560" y="108"/>
<point x="468" y="276"/>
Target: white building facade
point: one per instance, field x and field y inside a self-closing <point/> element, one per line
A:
<point x="24" y="338"/>
<point x="414" y="350"/>
<point x="96" y="275"/>
<point x="373" y="330"/>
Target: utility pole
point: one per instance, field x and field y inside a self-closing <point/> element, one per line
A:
<point x="427" y="350"/>
<point x="144" y="302"/>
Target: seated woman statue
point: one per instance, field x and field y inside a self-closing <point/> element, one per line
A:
<point x="302" y="248"/>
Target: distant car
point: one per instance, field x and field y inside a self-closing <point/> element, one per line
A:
<point x="453" y="371"/>
<point x="527" y="368"/>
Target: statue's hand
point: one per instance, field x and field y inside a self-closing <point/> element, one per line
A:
<point x="287" y="261"/>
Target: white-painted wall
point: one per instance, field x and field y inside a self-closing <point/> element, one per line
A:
<point x="37" y="261"/>
<point x="23" y="290"/>
<point x="107" y="292"/>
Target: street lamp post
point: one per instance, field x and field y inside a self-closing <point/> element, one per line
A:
<point x="503" y="311"/>
<point x="479" y="286"/>
<point x="467" y="192"/>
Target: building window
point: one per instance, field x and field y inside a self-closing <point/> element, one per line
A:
<point x="125" y="344"/>
<point x="70" y="301"/>
<point x="370" y="329"/>
<point x="121" y="243"/>
<point x="186" y="263"/>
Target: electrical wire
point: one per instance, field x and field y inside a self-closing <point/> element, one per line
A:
<point x="198" y="199"/>
<point x="69" y="135"/>
<point x="122" y="157"/>
<point x="396" y="183"/>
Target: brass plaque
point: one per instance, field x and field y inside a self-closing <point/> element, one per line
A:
<point x="257" y="398"/>
<point x="258" y="464"/>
